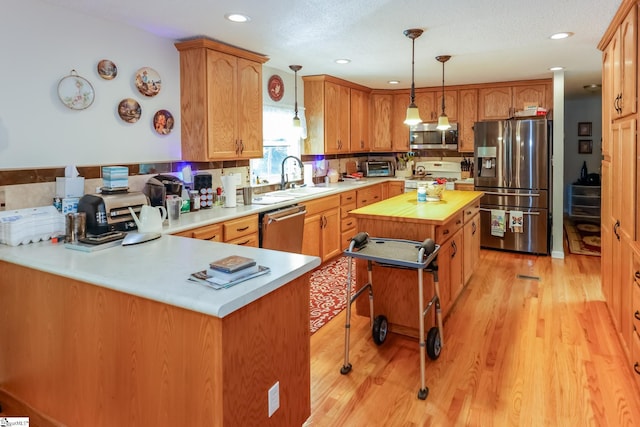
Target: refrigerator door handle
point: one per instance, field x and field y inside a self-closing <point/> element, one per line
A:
<point x="508" y="212"/>
<point x="493" y="193"/>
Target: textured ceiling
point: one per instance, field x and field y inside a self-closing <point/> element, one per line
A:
<point x="489" y="40"/>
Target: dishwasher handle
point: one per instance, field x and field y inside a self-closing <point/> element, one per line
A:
<point x="271" y="219"/>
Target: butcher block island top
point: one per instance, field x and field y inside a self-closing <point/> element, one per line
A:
<point x="453" y="223"/>
<point x="405" y="207"/>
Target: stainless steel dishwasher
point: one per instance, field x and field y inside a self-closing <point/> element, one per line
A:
<point x="282" y="229"/>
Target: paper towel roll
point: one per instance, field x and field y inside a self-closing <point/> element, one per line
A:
<point x="229" y="188"/>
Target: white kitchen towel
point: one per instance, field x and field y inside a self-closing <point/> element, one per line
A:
<point x="498" y="223"/>
<point x="516" y="221"/>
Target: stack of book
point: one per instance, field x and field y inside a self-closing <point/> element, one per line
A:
<point x="229" y="271"/>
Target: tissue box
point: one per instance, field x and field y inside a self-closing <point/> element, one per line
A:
<point x="69" y="187"/>
<point x="115" y="176"/>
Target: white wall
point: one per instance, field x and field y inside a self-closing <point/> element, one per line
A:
<point x="40" y="44"/>
<point x="576" y="111"/>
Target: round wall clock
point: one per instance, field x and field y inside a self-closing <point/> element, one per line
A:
<point x="275" y="88"/>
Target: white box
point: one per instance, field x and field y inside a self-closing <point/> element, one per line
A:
<point x="70" y="187"/>
<point x="70" y="205"/>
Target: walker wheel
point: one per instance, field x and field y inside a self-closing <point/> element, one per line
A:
<point x="433" y="343"/>
<point x="345" y="369"/>
<point x="380" y="329"/>
<point x="422" y="393"/>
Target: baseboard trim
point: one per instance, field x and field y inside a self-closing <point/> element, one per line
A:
<point x="12" y="406"/>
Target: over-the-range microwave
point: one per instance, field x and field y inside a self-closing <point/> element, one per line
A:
<point x="425" y="136"/>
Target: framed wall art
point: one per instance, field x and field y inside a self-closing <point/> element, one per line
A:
<point x="584" y="129"/>
<point x="585" y="146"/>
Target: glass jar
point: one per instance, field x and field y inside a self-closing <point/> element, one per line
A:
<point x="194" y="197"/>
<point x="422" y="193"/>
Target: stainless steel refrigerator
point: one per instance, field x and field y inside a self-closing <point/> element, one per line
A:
<point x="512" y="161"/>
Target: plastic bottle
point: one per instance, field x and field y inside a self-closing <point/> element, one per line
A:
<point x="422" y="193"/>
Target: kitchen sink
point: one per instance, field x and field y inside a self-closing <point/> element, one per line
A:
<point x="298" y="192"/>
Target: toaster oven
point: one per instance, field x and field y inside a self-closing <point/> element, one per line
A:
<point x="379" y="168"/>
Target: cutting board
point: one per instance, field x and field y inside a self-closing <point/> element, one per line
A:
<point x="351" y="167"/>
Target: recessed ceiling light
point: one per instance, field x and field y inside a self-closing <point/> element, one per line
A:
<point x="394" y="82"/>
<point x="237" y="17"/>
<point x="558" y="36"/>
<point x="593" y="87"/>
<point x="556" y="68"/>
<point x="343" y="61"/>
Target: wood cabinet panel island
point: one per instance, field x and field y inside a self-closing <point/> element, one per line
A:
<point x="403" y="217"/>
<point x="120" y="337"/>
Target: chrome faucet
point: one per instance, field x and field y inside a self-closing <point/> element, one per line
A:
<point x="283" y="177"/>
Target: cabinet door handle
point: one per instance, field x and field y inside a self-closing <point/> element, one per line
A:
<point x="615" y="229"/>
<point x="212" y="237"/>
<point x="243" y="228"/>
<point x="445" y="232"/>
<point x="637" y="314"/>
<point x="636" y="367"/>
<point x="458" y="222"/>
<point x="243" y="243"/>
<point x="637" y="274"/>
<point x="473" y="228"/>
<point x="455" y="249"/>
<point x="241" y="146"/>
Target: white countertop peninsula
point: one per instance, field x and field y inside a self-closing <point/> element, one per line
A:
<point x="159" y="269"/>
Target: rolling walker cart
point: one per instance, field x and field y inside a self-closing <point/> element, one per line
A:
<point x="396" y="253"/>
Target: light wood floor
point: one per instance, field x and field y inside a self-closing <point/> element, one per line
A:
<point x="518" y="352"/>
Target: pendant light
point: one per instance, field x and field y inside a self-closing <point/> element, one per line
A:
<point x="296" y="119"/>
<point x="443" y="120"/>
<point x="413" y="115"/>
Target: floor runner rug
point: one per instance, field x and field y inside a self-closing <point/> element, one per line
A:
<point x="328" y="291"/>
<point x="583" y="237"/>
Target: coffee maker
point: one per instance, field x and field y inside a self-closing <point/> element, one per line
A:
<point x="159" y="187"/>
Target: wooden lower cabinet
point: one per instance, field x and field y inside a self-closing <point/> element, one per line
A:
<point x="368" y="195"/>
<point x="471" y="253"/>
<point x="88" y="355"/>
<point x="450" y="260"/>
<point x="241" y="231"/>
<point x="321" y="235"/>
<point x="392" y="188"/>
<point x="347" y="223"/>
<point x="211" y="232"/>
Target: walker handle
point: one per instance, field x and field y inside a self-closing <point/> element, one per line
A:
<point x="429" y="246"/>
<point x="360" y="240"/>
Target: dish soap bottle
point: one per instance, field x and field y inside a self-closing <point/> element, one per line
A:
<point x="583" y="172"/>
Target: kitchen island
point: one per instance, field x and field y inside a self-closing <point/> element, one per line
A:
<point x="453" y="223"/>
<point x="121" y="337"/>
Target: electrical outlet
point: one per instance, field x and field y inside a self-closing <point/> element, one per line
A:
<point x="274" y="398"/>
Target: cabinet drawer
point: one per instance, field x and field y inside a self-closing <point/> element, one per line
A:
<point x="344" y="209"/>
<point x="585" y="190"/>
<point x="240" y="227"/>
<point x="445" y="231"/>
<point x="316" y="206"/>
<point x="347" y="224"/>
<point x="248" y="240"/>
<point x="211" y="232"/>
<point x="367" y="196"/>
<point x="348" y="197"/>
<point x="470" y="211"/>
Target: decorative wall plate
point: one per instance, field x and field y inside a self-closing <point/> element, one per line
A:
<point x="75" y="92"/>
<point x="275" y="88"/>
<point x="148" y="81"/>
<point x="129" y="110"/>
<point x="107" y="69"/>
<point x="163" y="122"/>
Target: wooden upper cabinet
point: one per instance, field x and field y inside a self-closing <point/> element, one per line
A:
<point x="328" y="110"/>
<point x="360" y="139"/>
<point x="467" y="118"/>
<point x="621" y="100"/>
<point x="494" y="103"/>
<point x="501" y="102"/>
<point x="430" y="105"/>
<point x="220" y="101"/>
<point x="381" y="117"/>
<point x="400" y="131"/>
